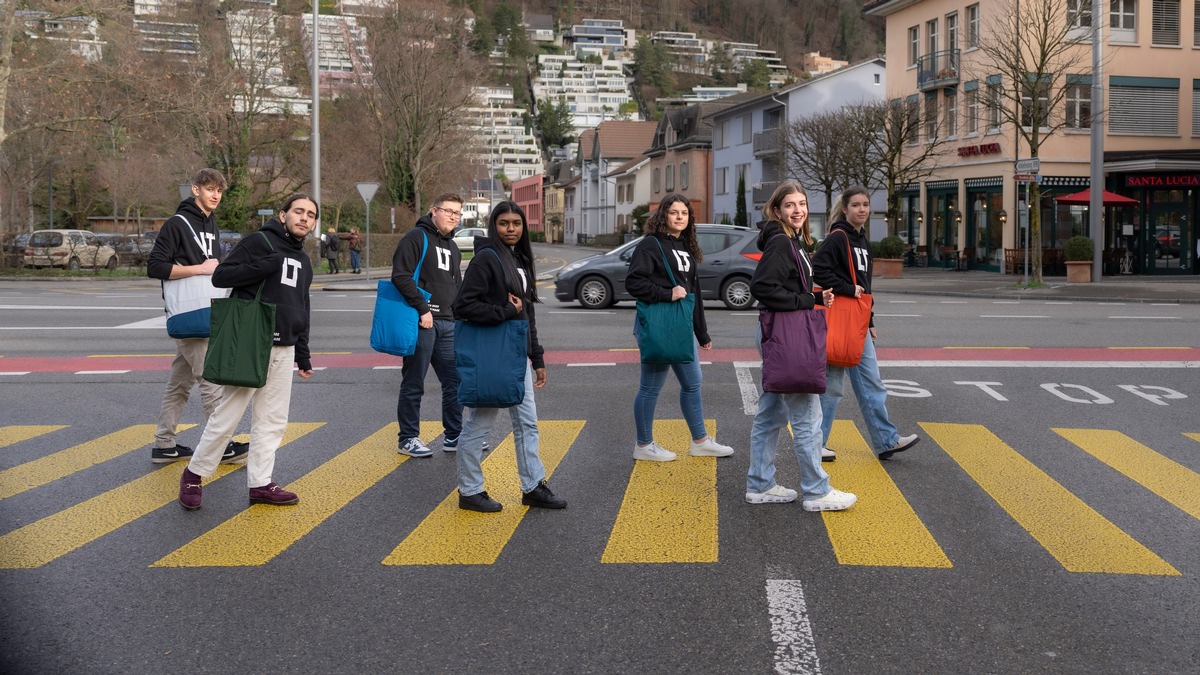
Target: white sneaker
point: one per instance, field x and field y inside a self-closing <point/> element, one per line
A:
<point x="652" y="453"/>
<point x="834" y="500"/>
<point x="901" y="445"/>
<point x="709" y="447"/>
<point x="828" y="455"/>
<point x="776" y="495"/>
<point x="413" y="447"/>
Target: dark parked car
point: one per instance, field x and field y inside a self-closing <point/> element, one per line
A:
<point x="132" y="251"/>
<point x="14" y="248"/>
<point x="730" y="255"/>
<point x="1166" y="242"/>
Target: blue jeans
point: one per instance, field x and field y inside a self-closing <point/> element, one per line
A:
<point x="435" y="346"/>
<point x="476" y="425"/>
<point x="654" y="376"/>
<point x="774" y="413"/>
<point x="871" y="395"/>
<point x="354" y="263"/>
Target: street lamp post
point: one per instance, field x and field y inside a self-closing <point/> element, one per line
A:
<point x="367" y="190"/>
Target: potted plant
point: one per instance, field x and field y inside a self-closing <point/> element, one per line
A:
<point x="889" y="257"/>
<point x="1078" y="254"/>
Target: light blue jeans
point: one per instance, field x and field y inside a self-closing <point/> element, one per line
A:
<point x="654" y="376"/>
<point x="871" y="395"/>
<point x="774" y="413"/>
<point x="477" y="422"/>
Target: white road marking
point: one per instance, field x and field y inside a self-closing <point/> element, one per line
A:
<point x="386" y="367"/>
<point x="746" y="384"/>
<point x="1006" y="302"/>
<point x="1013" y="316"/>
<point x="579" y="311"/>
<point x="902" y="302"/>
<point x="16" y="372"/>
<point x="79" y="307"/>
<point x="101" y="372"/>
<point x="791" y="630"/>
<point x="899" y="316"/>
<point x="1038" y="364"/>
<point x="953" y="302"/>
<point x="588" y="365"/>
<point x="1144" y="317"/>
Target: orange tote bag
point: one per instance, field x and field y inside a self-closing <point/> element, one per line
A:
<point x="848" y="320"/>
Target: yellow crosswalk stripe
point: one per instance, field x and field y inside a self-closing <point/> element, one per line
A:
<point x="17" y="433"/>
<point x="56" y="535"/>
<point x="261" y="532"/>
<point x="63" y="463"/>
<point x="881" y="528"/>
<point x="1076" y="535"/>
<point x="1164" y="477"/>
<point x="1194" y="437"/>
<point x="452" y="536"/>
<point x="669" y="513"/>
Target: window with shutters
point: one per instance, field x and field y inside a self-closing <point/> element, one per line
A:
<point x="1164" y="23"/>
<point x="1196" y="25"/>
<point x="670" y="178"/>
<point x="1079" y="106"/>
<point x="1196" y="113"/>
<point x="1122" y="21"/>
<point x="655" y="181"/>
<point x="683" y="175"/>
<point x="1143" y="111"/>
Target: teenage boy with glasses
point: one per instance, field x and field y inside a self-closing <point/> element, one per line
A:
<point x="429" y="250"/>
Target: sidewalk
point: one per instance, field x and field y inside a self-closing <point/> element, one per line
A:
<point x="945" y="283"/>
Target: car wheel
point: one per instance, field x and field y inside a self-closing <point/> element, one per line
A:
<point x="73" y="264"/>
<point x="735" y="293"/>
<point x="595" y="293"/>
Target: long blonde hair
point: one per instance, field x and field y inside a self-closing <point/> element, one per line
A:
<point x="775" y="203"/>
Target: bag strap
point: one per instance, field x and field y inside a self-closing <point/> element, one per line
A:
<point x="424" y="249"/>
<point x="850" y="258"/>
<point x="665" y="263"/>
<point x="796" y="257"/>
<point x="196" y="237"/>
<point x="264" y="281"/>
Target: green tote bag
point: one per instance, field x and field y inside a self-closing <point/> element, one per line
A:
<point x="239" y="346"/>
<point x="665" y="332"/>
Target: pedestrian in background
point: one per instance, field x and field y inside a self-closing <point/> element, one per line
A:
<point x="499" y="286"/>
<point x="329" y="249"/>
<point x="848" y="244"/>
<point x="671" y="240"/>
<point x="355" y="242"/>
<point x="188" y="245"/>
<point x="429" y="250"/>
<point x="782" y="282"/>
<point x="274" y="260"/>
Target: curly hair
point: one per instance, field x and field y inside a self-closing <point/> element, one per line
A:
<point x="657" y="224"/>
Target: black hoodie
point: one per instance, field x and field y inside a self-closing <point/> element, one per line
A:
<point x="777" y="282"/>
<point x="176" y="244"/>
<point x="831" y="262"/>
<point x="483" y="297"/>
<point x="648" y="281"/>
<point x="287" y="272"/>
<point x="440" y="275"/>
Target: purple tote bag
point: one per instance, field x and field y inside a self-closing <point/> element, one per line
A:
<point x="793" y="348"/>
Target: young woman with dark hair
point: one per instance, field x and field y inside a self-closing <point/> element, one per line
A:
<point x="670" y="251"/>
<point x="500" y="285"/>
<point x="843" y="264"/>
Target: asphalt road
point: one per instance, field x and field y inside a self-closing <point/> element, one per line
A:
<point x="1047" y="522"/>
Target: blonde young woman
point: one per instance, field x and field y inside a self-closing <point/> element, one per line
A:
<point x="781" y="286"/>
<point x="848" y="244"/>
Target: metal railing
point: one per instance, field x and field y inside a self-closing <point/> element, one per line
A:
<point x="938" y="69"/>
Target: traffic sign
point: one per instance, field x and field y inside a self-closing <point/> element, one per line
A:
<point x="1031" y="165"/>
<point x="1025" y="178"/>
<point x="265" y="212"/>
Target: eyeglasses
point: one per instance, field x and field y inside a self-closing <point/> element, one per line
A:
<point x="448" y="212"/>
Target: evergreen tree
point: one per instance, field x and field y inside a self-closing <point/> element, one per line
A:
<point x="741" y="218"/>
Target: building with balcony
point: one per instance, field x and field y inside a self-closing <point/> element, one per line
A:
<point x="689" y="54"/>
<point x="700" y="94"/>
<point x="342" y="50"/>
<point x="80" y="34"/>
<point x="973" y="208"/>
<point x="601" y="150"/>
<point x="169" y="38"/>
<point x="747" y="139"/>
<point x="593" y="92"/>
<point x="504" y="144"/>
<point x="607" y="38"/>
<point x="742" y="53"/>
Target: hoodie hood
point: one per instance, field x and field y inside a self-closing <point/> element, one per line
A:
<point x="769" y="228"/>
<point x="188" y="207"/>
<point x="850" y="230"/>
<point x="426" y="222"/>
<point x="276" y="228"/>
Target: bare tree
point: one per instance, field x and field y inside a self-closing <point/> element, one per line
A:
<point x="1033" y="51"/>
<point x="422" y="79"/>
<point x="817" y="149"/>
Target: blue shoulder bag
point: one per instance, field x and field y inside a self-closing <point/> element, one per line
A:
<point x="491" y="361"/>
<point x="395" y="322"/>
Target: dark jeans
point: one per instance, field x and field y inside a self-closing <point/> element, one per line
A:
<point x="435" y="346"/>
<point x="333" y="265"/>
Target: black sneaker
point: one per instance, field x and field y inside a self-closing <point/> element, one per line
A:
<point x="451" y="445"/>
<point x="235" y="452"/>
<point x="479" y="502"/>
<point x="172" y="454"/>
<point x="541" y="497"/>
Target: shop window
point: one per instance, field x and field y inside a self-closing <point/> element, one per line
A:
<point x="1143" y="111"/>
<point x="1164" y="23"/>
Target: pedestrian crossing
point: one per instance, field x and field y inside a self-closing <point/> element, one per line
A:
<point x="670" y="513"/>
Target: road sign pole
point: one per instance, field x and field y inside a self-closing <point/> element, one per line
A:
<point x="367" y="190"/>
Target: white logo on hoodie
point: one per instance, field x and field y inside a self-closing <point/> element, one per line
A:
<point x="291" y="272"/>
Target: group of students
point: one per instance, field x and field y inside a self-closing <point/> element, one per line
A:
<point x="499" y="285"/>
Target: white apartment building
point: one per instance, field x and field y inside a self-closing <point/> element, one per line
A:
<point x="607" y="38"/>
<point x="700" y="94"/>
<point x="505" y="144"/>
<point x="257" y="50"/>
<point x="742" y="53"/>
<point x="342" y="51"/>
<point x="81" y="34"/>
<point x="593" y="92"/>
<point x="689" y="53"/>
<point x="167" y="37"/>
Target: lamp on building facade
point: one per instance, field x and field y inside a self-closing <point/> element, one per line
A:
<point x="1003" y="215"/>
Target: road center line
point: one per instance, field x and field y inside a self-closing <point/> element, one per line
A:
<point x="795" y="648"/>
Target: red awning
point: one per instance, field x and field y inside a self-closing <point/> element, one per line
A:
<point x="1107" y="199"/>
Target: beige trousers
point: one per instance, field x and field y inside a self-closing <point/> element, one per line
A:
<point x="187" y="370"/>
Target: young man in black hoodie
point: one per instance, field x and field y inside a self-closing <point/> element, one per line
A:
<point x="187" y="246"/>
<point x="429" y="251"/>
<point x="273" y="260"/>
